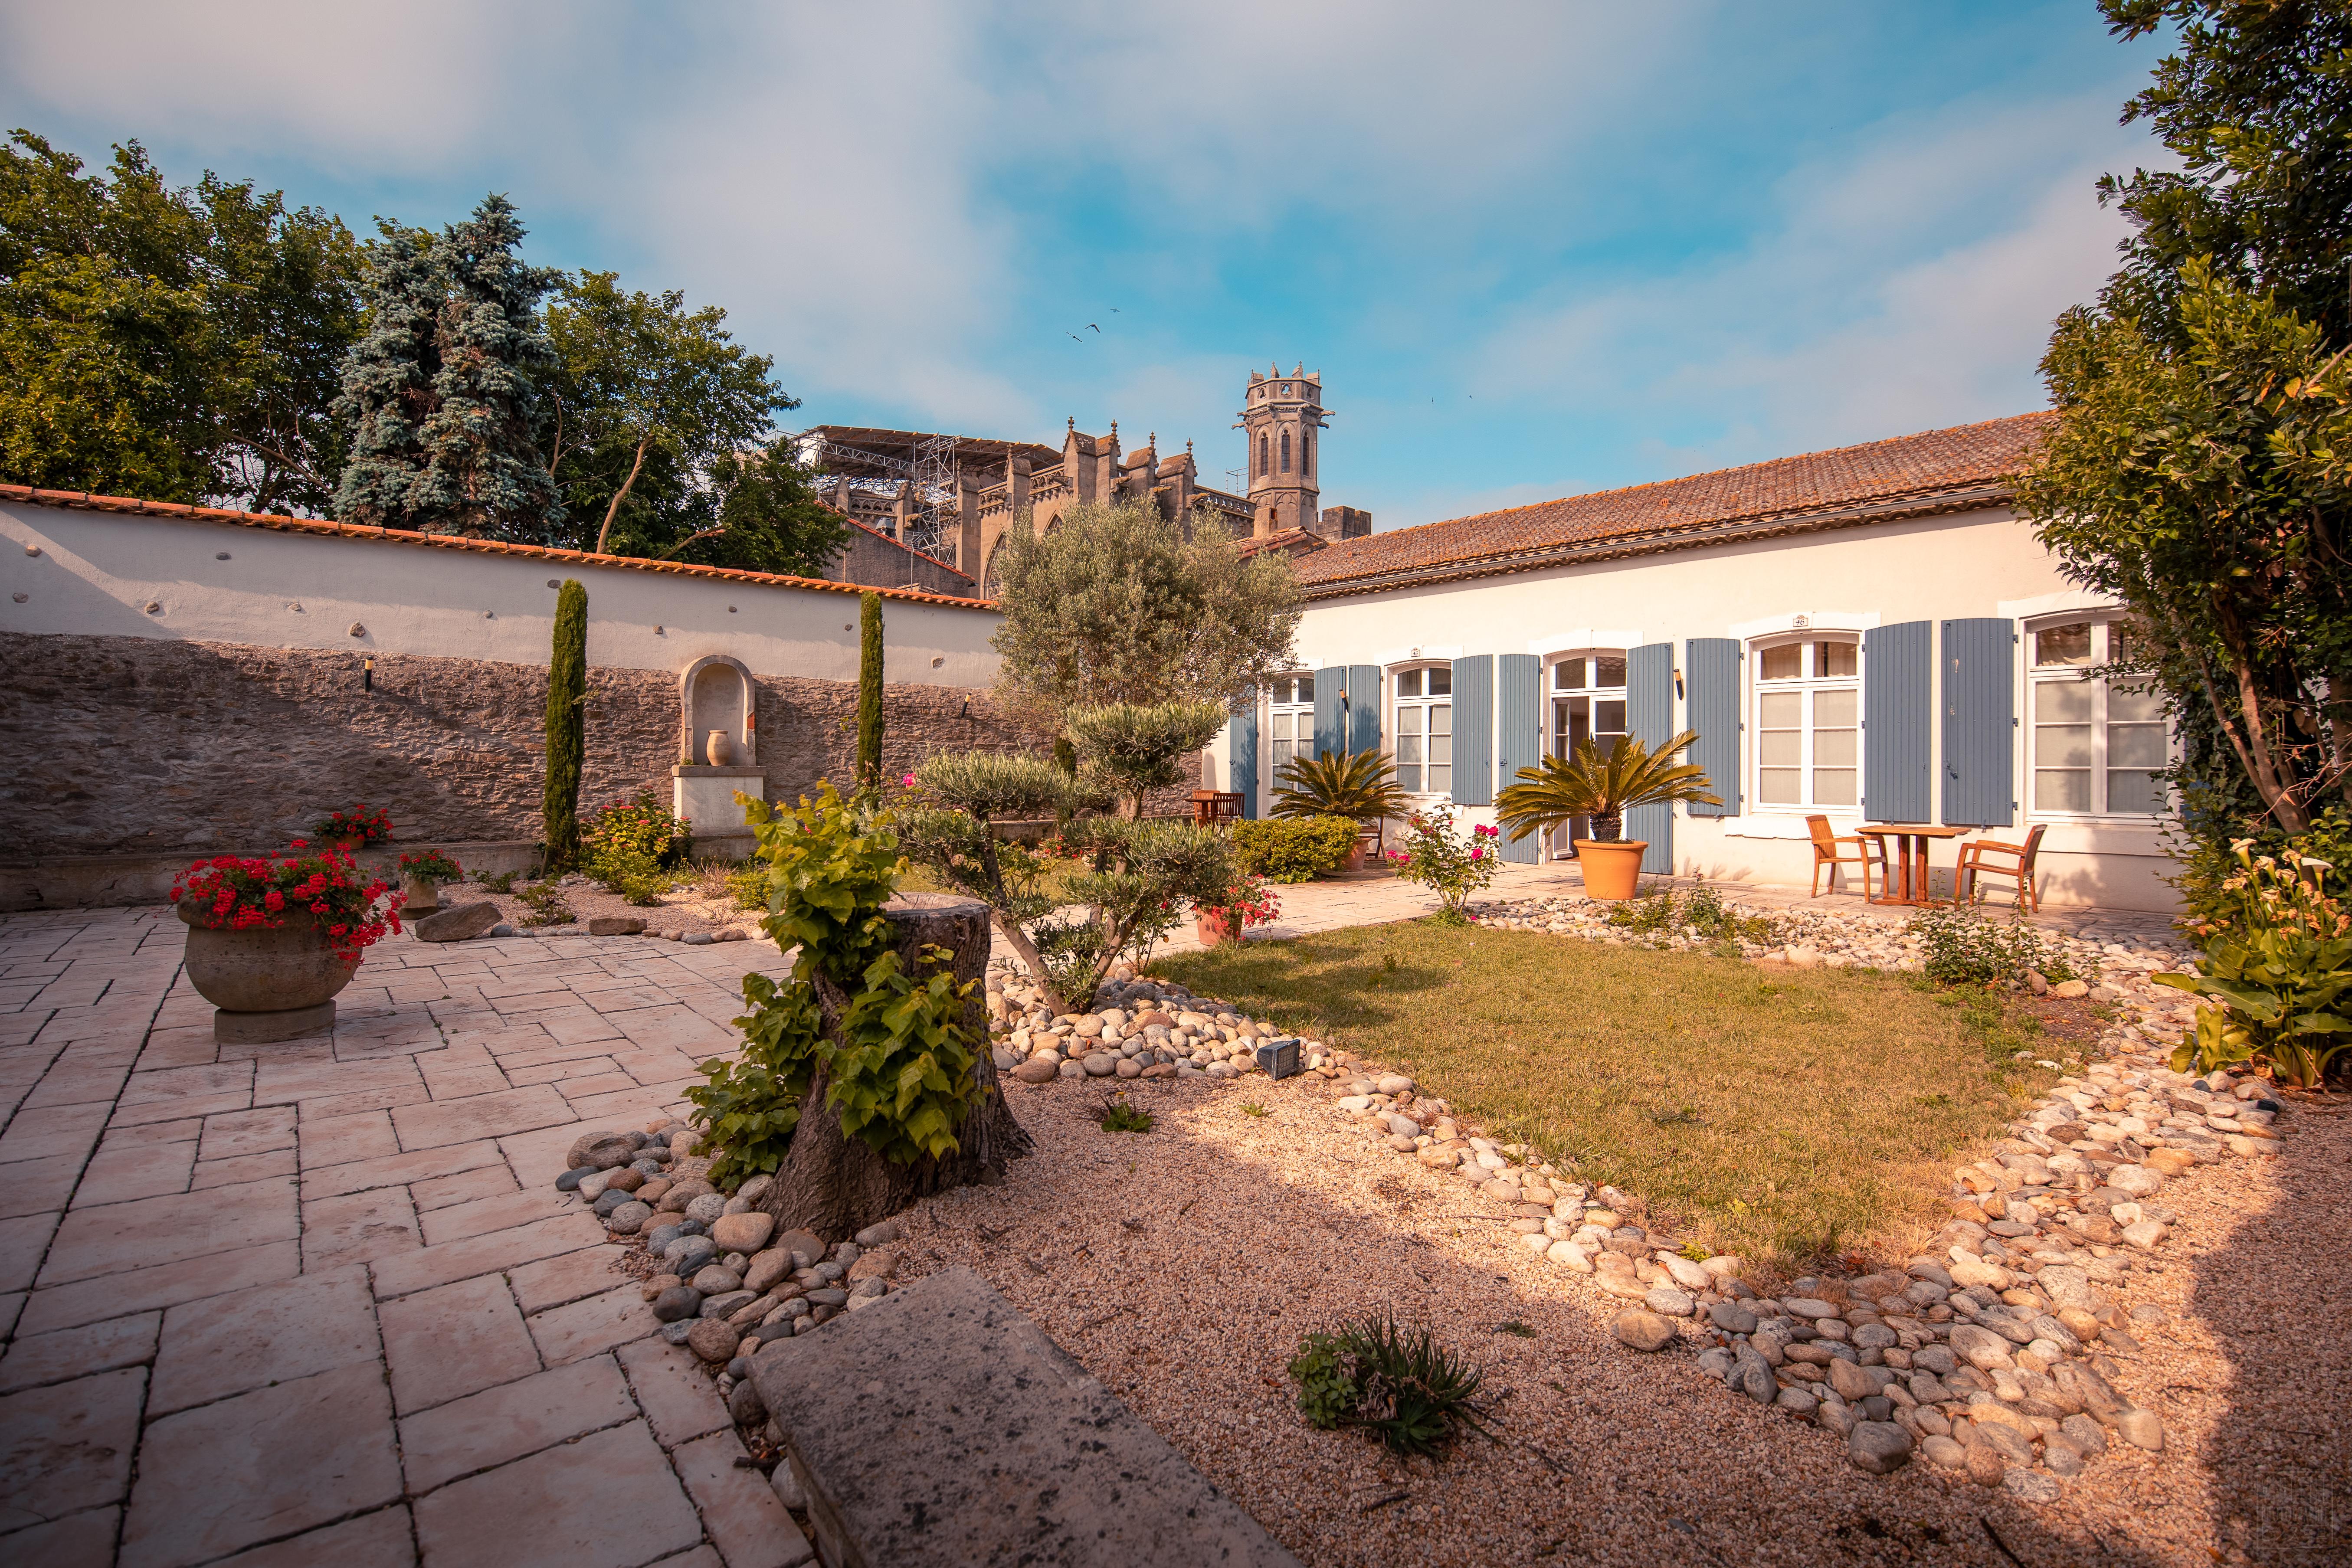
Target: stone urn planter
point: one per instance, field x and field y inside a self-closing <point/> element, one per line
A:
<point x="419" y="895"/>
<point x="1216" y="930"/>
<point x="267" y="983"/>
<point x="1611" y="870"/>
<point x="719" y="746"/>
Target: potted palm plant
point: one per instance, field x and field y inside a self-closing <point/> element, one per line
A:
<point x="1603" y="786"/>
<point x="1361" y="785"/>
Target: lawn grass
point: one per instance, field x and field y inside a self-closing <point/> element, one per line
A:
<point x="1788" y="1115"/>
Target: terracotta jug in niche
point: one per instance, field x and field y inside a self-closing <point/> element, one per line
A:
<point x="719" y="748"/>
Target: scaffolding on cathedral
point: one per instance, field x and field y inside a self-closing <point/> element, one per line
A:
<point x="904" y="482"/>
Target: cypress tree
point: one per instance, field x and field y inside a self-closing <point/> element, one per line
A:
<point x="442" y="394"/>
<point x="567" y="725"/>
<point x="869" y="691"/>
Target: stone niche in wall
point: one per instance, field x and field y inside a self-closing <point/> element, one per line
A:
<point x="718" y="754"/>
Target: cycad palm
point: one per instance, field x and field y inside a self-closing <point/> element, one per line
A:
<point x="1603" y="786"/>
<point x="1361" y="784"/>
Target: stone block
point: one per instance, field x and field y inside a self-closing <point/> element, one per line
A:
<point x="1003" y="1447"/>
<point x="458" y="924"/>
<point x="617" y="925"/>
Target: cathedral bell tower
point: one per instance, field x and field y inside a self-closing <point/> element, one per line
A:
<point x="1282" y="416"/>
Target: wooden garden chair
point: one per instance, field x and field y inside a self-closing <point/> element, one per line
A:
<point x="1826" y="844"/>
<point x="2014" y="861"/>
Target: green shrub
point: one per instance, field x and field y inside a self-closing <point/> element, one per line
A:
<point x="2210" y="863"/>
<point x="640" y="825"/>
<point x="1966" y="947"/>
<point x="1295" y="848"/>
<point x="749" y="886"/>
<point x="547" y="905"/>
<point x="1404" y="1387"/>
<point x="2277" y="973"/>
<point x="632" y="875"/>
<point x="1667" y="912"/>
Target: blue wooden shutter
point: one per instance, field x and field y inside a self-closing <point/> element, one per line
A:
<point x="1363" y="707"/>
<point x="1474" y="731"/>
<point x="1711" y="665"/>
<point x="1241" y="764"/>
<point x="1898" y="706"/>
<point x="1650" y="719"/>
<point x="1518" y="736"/>
<point x="1330" y="726"/>
<point x="1980" y="722"/>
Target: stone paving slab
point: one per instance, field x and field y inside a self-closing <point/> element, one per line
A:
<point x="1003" y="1447"/>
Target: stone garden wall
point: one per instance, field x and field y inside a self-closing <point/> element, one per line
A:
<point x="132" y="747"/>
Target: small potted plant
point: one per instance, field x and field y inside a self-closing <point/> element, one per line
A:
<point x="270" y="941"/>
<point x="1440" y="859"/>
<point x="1249" y="903"/>
<point x="355" y="829"/>
<point x="421" y="876"/>
<point x="1602" y="787"/>
<point x="1361" y="785"/>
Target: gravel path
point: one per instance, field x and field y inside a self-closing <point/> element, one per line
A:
<point x="1182" y="1266"/>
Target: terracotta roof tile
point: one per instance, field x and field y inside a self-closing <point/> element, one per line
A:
<point x="80" y="501"/>
<point x="1937" y="470"/>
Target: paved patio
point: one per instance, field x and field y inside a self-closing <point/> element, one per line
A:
<point x="319" y="1301"/>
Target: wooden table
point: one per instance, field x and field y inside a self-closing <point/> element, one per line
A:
<point x="1906" y="869"/>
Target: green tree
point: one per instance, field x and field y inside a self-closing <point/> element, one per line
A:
<point x="869" y="691"/>
<point x="2195" y="471"/>
<point x="2256" y="100"/>
<point x="1136" y="749"/>
<point x="442" y="394"/>
<point x="1115" y="605"/>
<point x="176" y="344"/>
<point x="567" y="726"/>
<point x="641" y="378"/>
<point x="2197" y="474"/>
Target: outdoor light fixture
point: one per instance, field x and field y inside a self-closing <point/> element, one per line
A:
<point x="1678" y="684"/>
<point x="1279" y="1058"/>
<point x="367" y="675"/>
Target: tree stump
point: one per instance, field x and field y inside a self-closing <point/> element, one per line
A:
<point x="831" y="1182"/>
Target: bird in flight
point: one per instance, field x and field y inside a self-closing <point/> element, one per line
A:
<point x="1092" y="328"/>
<point x="1075" y="338"/>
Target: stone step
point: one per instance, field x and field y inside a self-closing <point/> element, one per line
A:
<point x="941" y="1426"/>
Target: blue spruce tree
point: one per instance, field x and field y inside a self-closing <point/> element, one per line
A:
<point x="441" y="392"/>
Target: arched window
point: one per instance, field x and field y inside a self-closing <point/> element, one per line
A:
<point x="1264" y="469"/>
<point x="1286" y="451"/>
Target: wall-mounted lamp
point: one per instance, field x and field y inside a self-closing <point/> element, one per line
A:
<point x="367" y="675"/>
<point x="1678" y="685"/>
<point x="966" y="712"/>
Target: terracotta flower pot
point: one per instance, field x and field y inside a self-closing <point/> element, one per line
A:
<point x="1216" y="930"/>
<point x="1612" y="870"/>
<point x="268" y="985"/>
<point x="719" y="747"/>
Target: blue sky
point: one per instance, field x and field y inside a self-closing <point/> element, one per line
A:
<point x="1533" y="249"/>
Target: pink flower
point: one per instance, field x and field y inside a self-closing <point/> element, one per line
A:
<point x="907" y="782"/>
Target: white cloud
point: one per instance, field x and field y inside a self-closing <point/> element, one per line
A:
<point x="1910" y="286"/>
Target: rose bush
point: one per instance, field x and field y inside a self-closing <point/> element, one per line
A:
<point x="1439" y="858"/>
<point x="232" y="892"/>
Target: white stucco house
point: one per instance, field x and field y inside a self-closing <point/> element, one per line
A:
<point x="1869" y="634"/>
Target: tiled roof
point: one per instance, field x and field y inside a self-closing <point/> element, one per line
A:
<point x="80" y="501"/>
<point x="1910" y="476"/>
<point x="1292" y="541"/>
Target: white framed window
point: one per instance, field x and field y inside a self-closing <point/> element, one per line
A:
<point x="1291" y="721"/>
<point x="1806" y="720"/>
<point x="1423" y="723"/>
<point x="2095" y="746"/>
